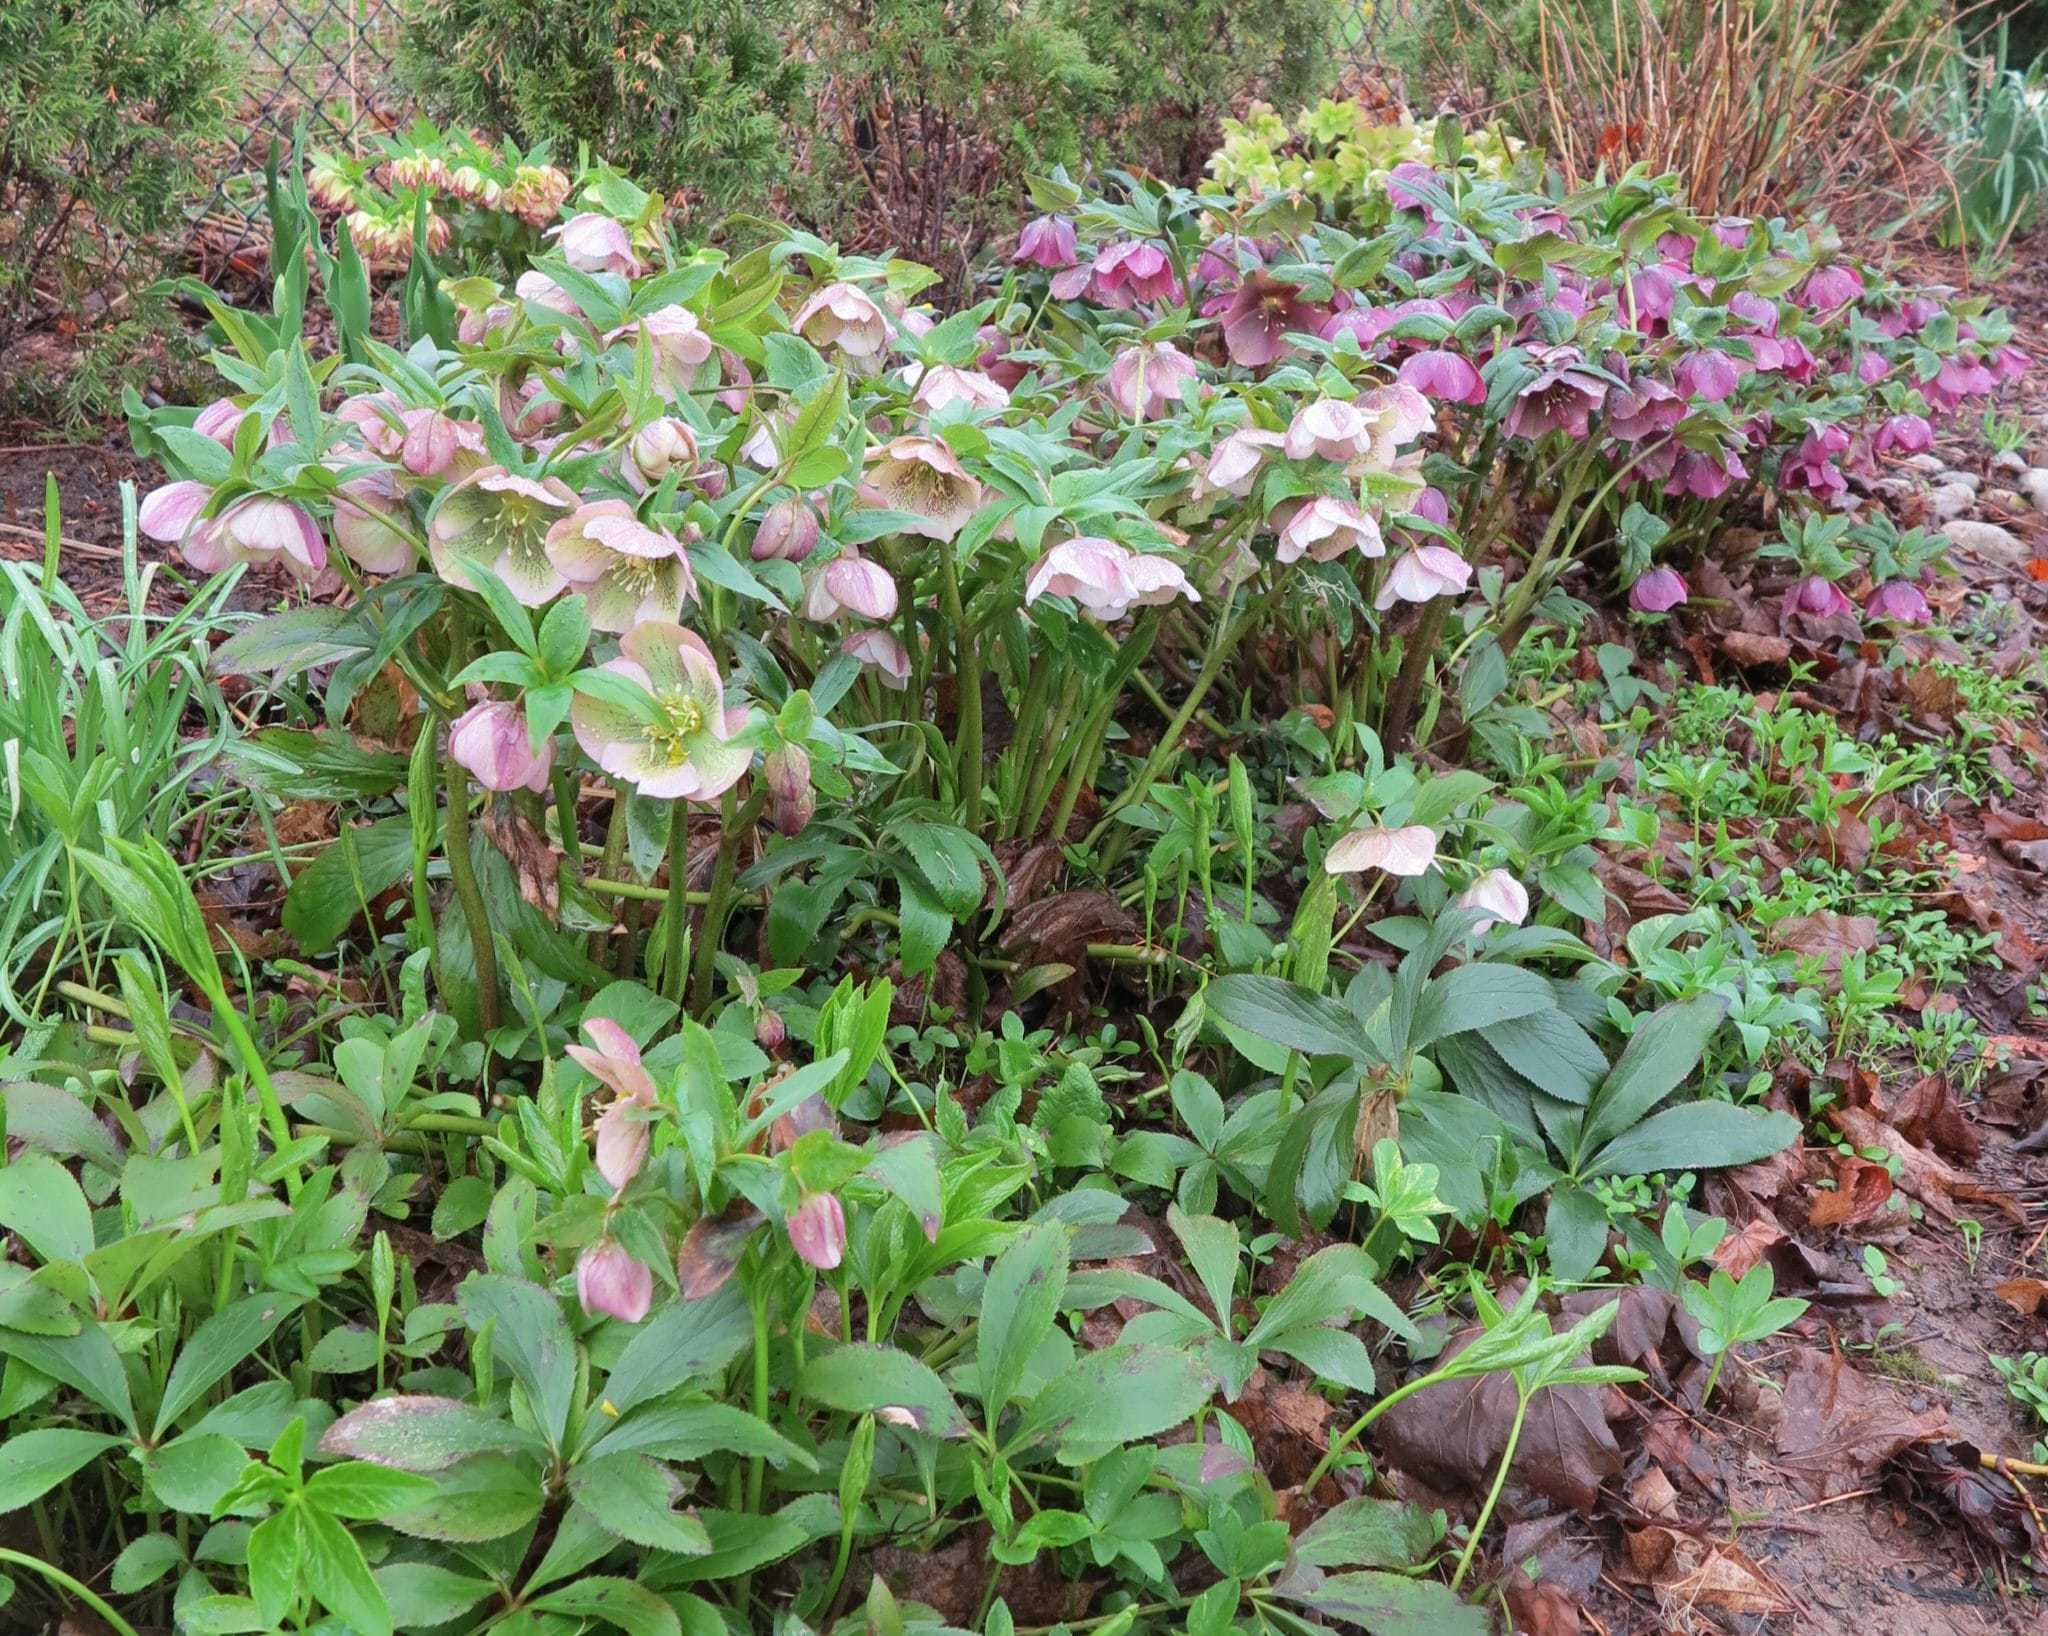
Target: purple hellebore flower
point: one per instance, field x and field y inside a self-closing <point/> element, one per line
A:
<point x="1900" y="601"/>
<point x="1827" y="288"/>
<point x="1444" y="375"/>
<point x="1131" y="272"/>
<point x="612" y="1283"/>
<point x="491" y="741"/>
<point x="1561" y="397"/>
<point x="1872" y="367"/>
<point x="1703" y="476"/>
<point x="1046" y="241"/>
<point x="1221" y="264"/>
<point x="1647" y="298"/>
<point x="1812" y="465"/>
<point x="1904" y="434"/>
<point x="1645" y="408"/>
<point x="1658" y="591"/>
<point x="1260" y="316"/>
<point x="1818" y="598"/>
<point x="1707" y="375"/>
<point x="1368" y="323"/>
<point x="1404" y="177"/>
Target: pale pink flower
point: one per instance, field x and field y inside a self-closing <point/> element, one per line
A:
<point x="500" y="520"/>
<point x="543" y="291"/>
<point x="1408" y="851"/>
<point x="1499" y="897"/>
<point x="1106" y="579"/>
<point x="1437" y="372"/>
<point x="677" y="343"/>
<point x="257" y="529"/>
<point x="944" y="383"/>
<point x="623" y="1136"/>
<point x="627" y="572"/>
<point x="680" y="750"/>
<point x="1425" y="572"/>
<point x="1143" y="380"/>
<point x="884" y="651"/>
<point x="788" y="531"/>
<point x="843" y="317"/>
<point x="658" y="448"/>
<point x="596" y="244"/>
<point x="612" y="1283"/>
<point x="849" y="583"/>
<point x="1046" y="241"/>
<point x="1234" y="463"/>
<point x="491" y="740"/>
<point x="817" y="1230"/>
<point x="1325" y="527"/>
<point x="1335" y="428"/>
<point x="923" y="478"/>
<point x="366" y="509"/>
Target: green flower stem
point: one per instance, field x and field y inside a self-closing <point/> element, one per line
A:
<point x="462" y="870"/>
<point x="1500" y="1478"/>
<point x="676" y="958"/>
<point x="71" y="1587"/>
<point x="565" y="818"/>
<point x="734" y="821"/>
<point x="644" y="892"/>
<point x="1358" y="1427"/>
<point x="609" y="864"/>
<point x="967" y="767"/>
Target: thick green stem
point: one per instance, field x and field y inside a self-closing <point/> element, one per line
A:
<point x="733" y="823"/>
<point x="675" y="961"/>
<point x="71" y="1587"/>
<point x="1500" y="1478"/>
<point x="468" y="894"/>
<point x="967" y="768"/>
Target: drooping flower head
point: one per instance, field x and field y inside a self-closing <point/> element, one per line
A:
<point x="500" y="520"/>
<point x="627" y="572"/>
<point x="1335" y="428"/>
<point x="658" y="448"/>
<point x="1444" y="375"/>
<point x="677" y="343"/>
<point x="844" y="318"/>
<point x="1233" y="465"/>
<point x="1658" y="591"/>
<point x="1499" y="897"/>
<point x="612" y="1283"/>
<point x="788" y="532"/>
<point x="786" y="770"/>
<point x="883" y="652"/>
<point x="1046" y="241"/>
<point x="1260" y="316"/>
<point x="491" y="741"/>
<point x="923" y="478"/>
<point x="1408" y="851"/>
<point x="850" y="583"/>
<point x="1560" y="397"/>
<point x="681" y="749"/>
<point x="596" y="244"/>
<point x="1817" y="597"/>
<point x="1426" y="572"/>
<point x="623" y="1136"/>
<point x="1106" y="579"/>
<point x="943" y="384"/>
<point x="1904" y="434"/>
<point x="1132" y="271"/>
<point x="1900" y="601"/>
<point x="366" y="513"/>
<point x="1327" y="526"/>
<point x="1143" y="380"/>
<point x="817" y="1230"/>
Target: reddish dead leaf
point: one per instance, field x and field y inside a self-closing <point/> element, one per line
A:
<point x="1825" y="937"/>
<point x="1927" y="1177"/>
<point x="1745" y="1247"/>
<point x="1749" y="648"/>
<point x="1927" y="1113"/>
<point x="1862" y="1190"/>
<point x="1838" y="1425"/>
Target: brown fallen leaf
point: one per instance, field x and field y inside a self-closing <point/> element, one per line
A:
<point x="1838" y="1425"/>
<point x="1862" y="1189"/>
<point x="2023" y="1295"/>
<point x="1749" y="648"/>
<point x="1927" y="1112"/>
<point x="1746" y="1246"/>
<point x="1932" y="1180"/>
<point x="1688" y="1572"/>
<point x="1825" y="937"/>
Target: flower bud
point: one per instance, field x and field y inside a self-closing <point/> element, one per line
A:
<point x="788" y="532"/>
<point x="611" y="1283"/>
<point x="770" y="1030"/>
<point x="817" y="1230"/>
<point x="787" y="769"/>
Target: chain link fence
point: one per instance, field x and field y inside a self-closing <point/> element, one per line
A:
<point x="328" y="63"/>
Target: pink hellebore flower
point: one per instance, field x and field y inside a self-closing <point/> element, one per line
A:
<point x="613" y="1060"/>
<point x="677" y="343"/>
<point x="1408" y="851"/>
<point x="788" y="531"/>
<point x="1131" y="272"/>
<point x="1708" y="375"/>
<point x="849" y="583"/>
<point x="1499" y="897"/>
<point x="786" y="770"/>
<point x="626" y="572"/>
<point x="921" y="476"/>
<point x="885" y="651"/>
<point x="944" y="384"/>
<point x="683" y="750"/>
<point x="1233" y="465"/>
<point x="490" y="740"/>
<point x="543" y="291"/>
<point x="1703" y="476"/>
<point x="1446" y="376"/>
<point x="1904" y="434"/>
<point x="222" y="419"/>
<point x="1900" y="601"/>
<point x="843" y="316"/>
<point x="1561" y="397"/>
<point x="1830" y="287"/>
<point x="1046" y="241"/>
<point x="1427" y="571"/>
<point x="1958" y="378"/>
<point x="658" y="448"/>
<point x="1872" y="367"/>
<point x="1658" y="591"/>
<point x="1106" y="579"/>
<point x="817" y="1230"/>
<point x="500" y="520"/>
<point x="1335" y="428"/>
<point x="1326" y="527"/>
<point x="612" y="1283"/>
<point x="365" y="513"/>
<point x="1261" y="315"/>
<point x="596" y="244"/>
<point x="1143" y="380"/>
<point x="1817" y="597"/>
<point x="1812" y="464"/>
<point x="1644" y="408"/>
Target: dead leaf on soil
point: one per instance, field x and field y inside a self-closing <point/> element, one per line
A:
<point x="1927" y="1112"/>
<point x="1927" y="1177"/>
<point x="1746" y="1246"/>
<point x="1862" y="1189"/>
<point x="2023" y="1295"/>
<point x="1825" y="937"/>
<point x="1838" y="1425"/>
<point x="1687" y="1572"/>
